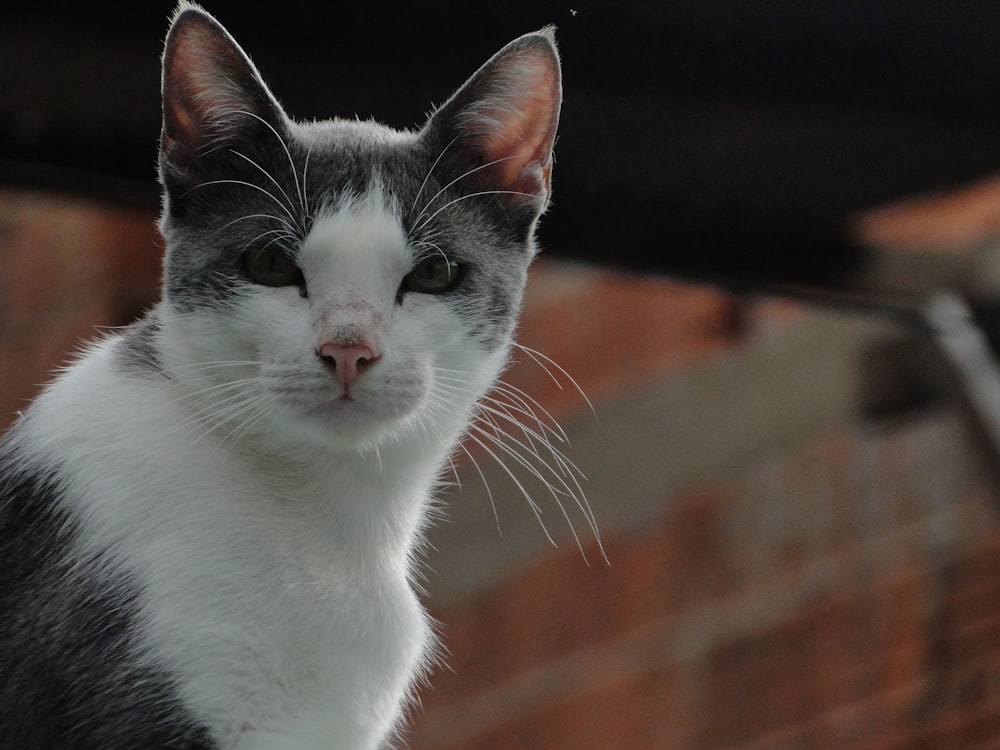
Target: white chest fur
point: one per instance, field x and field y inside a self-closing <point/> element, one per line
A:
<point x="275" y="588"/>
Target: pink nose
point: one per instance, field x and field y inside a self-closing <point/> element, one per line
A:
<point x="347" y="362"/>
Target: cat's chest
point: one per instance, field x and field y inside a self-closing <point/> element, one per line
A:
<point x="284" y="635"/>
<point x="282" y="650"/>
<point x="300" y="662"/>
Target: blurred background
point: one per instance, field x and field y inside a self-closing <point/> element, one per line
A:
<point x="772" y="266"/>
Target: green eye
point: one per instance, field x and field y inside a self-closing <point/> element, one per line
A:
<point x="271" y="268"/>
<point x="433" y="275"/>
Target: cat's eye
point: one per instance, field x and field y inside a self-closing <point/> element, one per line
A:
<point x="433" y="275"/>
<point x="271" y="267"/>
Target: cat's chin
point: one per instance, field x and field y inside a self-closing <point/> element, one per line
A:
<point x="345" y="424"/>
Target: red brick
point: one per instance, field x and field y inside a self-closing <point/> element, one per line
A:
<point x="832" y="654"/>
<point x="627" y="710"/>
<point x="611" y="331"/>
<point x="69" y="265"/>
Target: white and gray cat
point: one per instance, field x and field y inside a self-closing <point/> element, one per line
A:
<point x="208" y="522"/>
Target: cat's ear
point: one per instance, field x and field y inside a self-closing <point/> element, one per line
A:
<point x="213" y="95"/>
<point x="503" y="120"/>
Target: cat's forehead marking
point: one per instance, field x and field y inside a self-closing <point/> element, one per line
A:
<point x="366" y="230"/>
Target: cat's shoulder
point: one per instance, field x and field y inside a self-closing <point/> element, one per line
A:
<point x="137" y="349"/>
<point x="113" y="384"/>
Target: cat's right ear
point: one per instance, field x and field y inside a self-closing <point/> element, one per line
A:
<point x="213" y="97"/>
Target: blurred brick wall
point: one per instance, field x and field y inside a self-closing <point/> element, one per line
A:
<point x="68" y="266"/>
<point x="845" y="595"/>
<point x="843" y="592"/>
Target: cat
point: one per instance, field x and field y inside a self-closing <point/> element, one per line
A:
<point x="209" y="520"/>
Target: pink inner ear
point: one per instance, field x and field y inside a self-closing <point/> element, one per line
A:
<point x="518" y="126"/>
<point x="199" y="93"/>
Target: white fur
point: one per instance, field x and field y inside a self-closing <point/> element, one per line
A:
<point x="275" y="555"/>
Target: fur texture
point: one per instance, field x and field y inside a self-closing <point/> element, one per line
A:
<point x="208" y="522"/>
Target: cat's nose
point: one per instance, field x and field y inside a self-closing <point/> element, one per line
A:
<point x="348" y="362"/>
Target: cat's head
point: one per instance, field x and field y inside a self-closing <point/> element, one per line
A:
<point x="341" y="280"/>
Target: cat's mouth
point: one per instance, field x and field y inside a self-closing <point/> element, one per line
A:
<point x="347" y="413"/>
<point x="347" y="421"/>
<point x="342" y="406"/>
<point x="364" y="411"/>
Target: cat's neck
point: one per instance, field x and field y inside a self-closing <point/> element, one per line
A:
<point x="365" y="504"/>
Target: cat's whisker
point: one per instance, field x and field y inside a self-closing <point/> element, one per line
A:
<point x="428" y="238"/>
<point x="210" y="393"/>
<point x="290" y="228"/>
<point x="517" y="483"/>
<point x="436" y="248"/>
<point x="516" y="411"/>
<point x="214" y="411"/>
<point x="209" y="390"/>
<point x="454" y="471"/>
<point x="230" y="439"/>
<point x="258" y="408"/>
<point x="244" y="183"/>
<point x="559" y="475"/>
<point x="546" y="363"/>
<point x="281" y="232"/>
<point x="477" y="194"/>
<point x="211" y="365"/>
<point x="571" y="472"/>
<point x="270" y="177"/>
<point x="430" y="427"/>
<point x="532" y="406"/>
<point x="279" y="237"/>
<point x="549" y="430"/>
<point x="486" y="485"/>
<point x="564" y="472"/>
<point x="205" y="422"/>
<point x="535" y="440"/>
<point x="201" y="381"/>
<point x="428" y="175"/>
<point x="429" y="241"/>
<point x="461" y="177"/>
<point x="192" y="371"/>
<point x="554" y="491"/>
<point x="495" y="408"/>
<point x="307" y="215"/>
<point x="521" y="405"/>
<point x="288" y="155"/>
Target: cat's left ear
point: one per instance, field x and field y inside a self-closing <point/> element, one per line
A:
<point x="503" y="120"/>
<point x="213" y="97"/>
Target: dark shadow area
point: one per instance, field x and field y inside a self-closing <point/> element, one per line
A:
<point x="727" y="140"/>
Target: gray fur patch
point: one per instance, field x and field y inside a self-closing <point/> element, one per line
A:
<point x="69" y="675"/>
<point x="137" y="352"/>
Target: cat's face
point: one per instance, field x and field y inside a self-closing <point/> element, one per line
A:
<point x="342" y="281"/>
